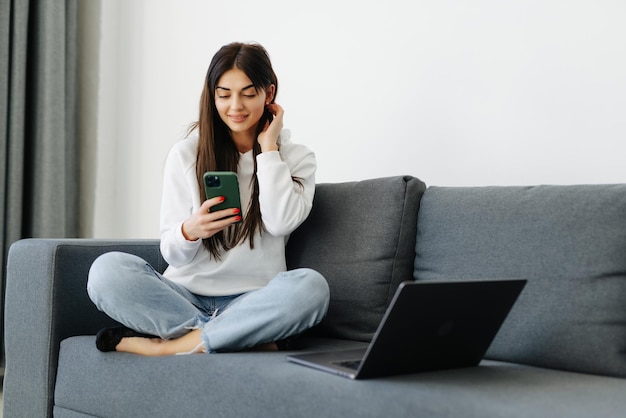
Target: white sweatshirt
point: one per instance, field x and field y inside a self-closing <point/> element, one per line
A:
<point x="284" y="206"/>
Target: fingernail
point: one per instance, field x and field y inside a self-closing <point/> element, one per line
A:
<point x="222" y="198"/>
<point x="237" y="218"/>
<point x="236" y="210"/>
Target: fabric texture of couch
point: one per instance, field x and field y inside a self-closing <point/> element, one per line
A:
<point x="561" y="351"/>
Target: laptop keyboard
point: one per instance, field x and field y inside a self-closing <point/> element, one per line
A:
<point x="349" y="364"/>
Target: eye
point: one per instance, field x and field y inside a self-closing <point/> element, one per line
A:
<point x="220" y="96"/>
<point x="249" y="96"/>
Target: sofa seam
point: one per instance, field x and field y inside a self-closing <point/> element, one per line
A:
<point x="394" y="267"/>
<point x="51" y="324"/>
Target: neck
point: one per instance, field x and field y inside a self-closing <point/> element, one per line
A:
<point x="244" y="141"/>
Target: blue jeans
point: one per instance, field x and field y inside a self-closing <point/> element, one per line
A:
<point x="130" y="291"/>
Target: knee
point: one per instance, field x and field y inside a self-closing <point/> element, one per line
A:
<point x="313" y="287"/>
<point x="108" y="271"/>
<point x="316" y="281"/>
<point x="313" y="297"/>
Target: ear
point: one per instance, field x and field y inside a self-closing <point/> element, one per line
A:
<point x="270" y="94"/>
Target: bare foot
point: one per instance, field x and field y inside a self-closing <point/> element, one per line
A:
<point x="189" y="343"/>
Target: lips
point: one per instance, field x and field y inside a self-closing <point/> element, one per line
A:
<point x="237" y="118"/>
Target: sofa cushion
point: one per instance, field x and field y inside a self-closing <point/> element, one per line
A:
<point x="361" y="237"/>
<point x="264" y="384"/>
<point x="568" y="241"/>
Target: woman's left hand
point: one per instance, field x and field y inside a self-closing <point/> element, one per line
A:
<point x="268" y="138"/>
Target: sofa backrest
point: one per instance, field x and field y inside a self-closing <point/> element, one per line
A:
<point x="361" y="237"/>
<point x="568" y="241"/>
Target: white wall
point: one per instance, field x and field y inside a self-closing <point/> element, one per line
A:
<point x="454" y="92"/>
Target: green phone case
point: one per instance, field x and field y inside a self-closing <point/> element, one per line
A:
<point x="223" y="183"/>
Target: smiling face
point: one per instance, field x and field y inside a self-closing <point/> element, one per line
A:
<point x="240" y="105"/>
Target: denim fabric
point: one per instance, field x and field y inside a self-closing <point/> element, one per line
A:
<point x="130" y="291"/>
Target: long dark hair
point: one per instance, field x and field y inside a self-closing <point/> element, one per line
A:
<point x="216" y="149"/>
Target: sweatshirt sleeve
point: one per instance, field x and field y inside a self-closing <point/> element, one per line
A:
<point x="179" y="199"/>
<point x="284" y="203"/>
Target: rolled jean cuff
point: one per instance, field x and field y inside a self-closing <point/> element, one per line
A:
<point x="206" y="346"/>
<point x="203" y="347"/>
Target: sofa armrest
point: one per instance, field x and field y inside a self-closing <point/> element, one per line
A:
<point x="46" y="301"/>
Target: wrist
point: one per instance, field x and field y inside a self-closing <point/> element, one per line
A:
<point x="185" y="234"/>
<point x="269" y="147"/>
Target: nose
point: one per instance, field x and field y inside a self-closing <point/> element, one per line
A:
<point x="236" y="102"/>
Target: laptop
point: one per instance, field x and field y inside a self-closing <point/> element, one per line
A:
<point x="429" y="325"/>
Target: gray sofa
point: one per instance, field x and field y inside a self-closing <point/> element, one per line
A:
<point x="561" y="351"/>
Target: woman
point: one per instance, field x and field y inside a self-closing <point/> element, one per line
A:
<point x="226" y="287"/>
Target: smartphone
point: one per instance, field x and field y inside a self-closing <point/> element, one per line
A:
<point x="223" y="183"/>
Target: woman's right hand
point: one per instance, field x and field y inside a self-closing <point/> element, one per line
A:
<point x="204" y="223"/>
